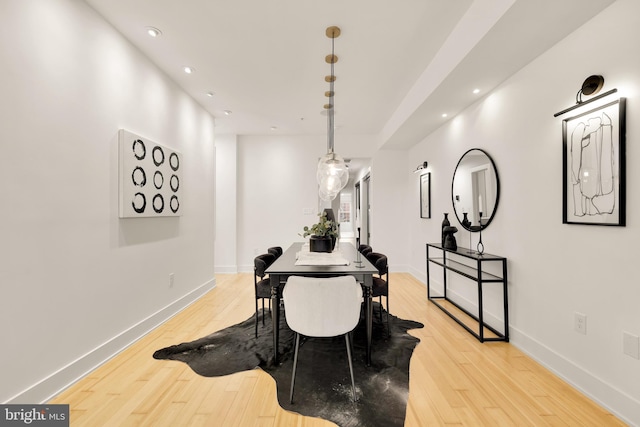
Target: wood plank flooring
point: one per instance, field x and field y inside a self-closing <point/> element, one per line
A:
<point x="454" y="380"/>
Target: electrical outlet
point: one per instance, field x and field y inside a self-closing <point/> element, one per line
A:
<point x="631" y="345"/>
<point x="307" y="211"/>
<point x="580" y="323"/>
<point x="171" y="278"/>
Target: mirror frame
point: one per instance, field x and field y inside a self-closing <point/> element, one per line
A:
<point x="459" y="215"/>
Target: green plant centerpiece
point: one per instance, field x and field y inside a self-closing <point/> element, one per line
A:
<point x="322" y="235"/>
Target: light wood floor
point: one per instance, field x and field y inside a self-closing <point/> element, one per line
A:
<point x="454" y="380"/>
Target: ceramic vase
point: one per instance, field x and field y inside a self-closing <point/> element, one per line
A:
<point x="449" y="239"/>
<point x="465" y="220"/>
<point x="320" y="244"/>
<point x="445" y="223"/>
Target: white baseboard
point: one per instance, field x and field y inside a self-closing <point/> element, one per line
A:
<point x="225" y="269"/>
<point x="420" y="276"/>
<point x="52" y="385"/>
<point x="622" y="405"/>
<point x="245" y="269"/>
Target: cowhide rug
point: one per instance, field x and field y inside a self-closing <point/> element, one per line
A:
<point x="323" y="384"/>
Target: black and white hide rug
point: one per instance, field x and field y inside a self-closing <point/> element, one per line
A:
<point x="323" y="384"/>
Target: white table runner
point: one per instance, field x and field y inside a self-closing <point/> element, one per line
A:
<point x="304" y="257"/>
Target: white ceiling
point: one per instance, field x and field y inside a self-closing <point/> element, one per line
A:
<point x="402" y="63"/>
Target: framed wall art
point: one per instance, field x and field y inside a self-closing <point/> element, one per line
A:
<point x="594" y="185"/>
<point x="150" y="178"/>
<point x="425" y="195"/>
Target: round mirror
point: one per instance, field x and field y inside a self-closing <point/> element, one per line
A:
<point x="475" y="190"/>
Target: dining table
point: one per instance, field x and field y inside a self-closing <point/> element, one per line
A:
<point x="297" y="260"/>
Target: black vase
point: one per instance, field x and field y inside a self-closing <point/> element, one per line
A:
<point x="445" y="223"/>
<point x="450" y="239"/>
<point x="320" y="244"/>
<point x="465" y="220"/>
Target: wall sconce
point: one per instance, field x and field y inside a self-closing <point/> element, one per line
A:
<point x="421" y="167"/>
<point x="590" y="86"/>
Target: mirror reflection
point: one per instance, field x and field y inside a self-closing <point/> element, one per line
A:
<point x="475" y="190"/>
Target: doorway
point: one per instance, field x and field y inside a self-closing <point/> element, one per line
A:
<point x="363" y="210"/>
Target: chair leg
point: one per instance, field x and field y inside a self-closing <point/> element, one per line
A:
<point x="351" y="339"/>
<point x="380" y="301"/>
<point x="388" y="328"/>
<point x="353" y="382"/>
<point x="295" y="365"/>
<point x="256" y="317"/>
<point x="262" y="311"/>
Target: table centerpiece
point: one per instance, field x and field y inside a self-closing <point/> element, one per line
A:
<point x="322" y="235"/>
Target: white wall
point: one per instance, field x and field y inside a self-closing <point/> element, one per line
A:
<point x="555" y="270"/>
<point x="226" y="204"/>
<point x="278" y="181"/>
<point x="389" y="206"/>
<point x="78" y="284"/>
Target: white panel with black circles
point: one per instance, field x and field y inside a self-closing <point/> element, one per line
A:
<point x="150" y="178"/>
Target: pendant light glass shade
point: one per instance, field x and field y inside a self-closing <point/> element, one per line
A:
<point x="332" y="176"/>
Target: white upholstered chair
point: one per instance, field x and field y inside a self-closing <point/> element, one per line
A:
<point x="322" y="307"/>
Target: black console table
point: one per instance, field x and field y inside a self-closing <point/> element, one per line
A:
<point x="473" y="266"/>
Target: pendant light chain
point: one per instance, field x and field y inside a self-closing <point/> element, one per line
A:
<point x="330" y="118"/>
<point x="332" y="174"/>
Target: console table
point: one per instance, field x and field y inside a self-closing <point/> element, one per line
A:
<point x="473" y="266"/>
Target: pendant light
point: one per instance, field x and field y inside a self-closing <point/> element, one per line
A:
<point x="332" y="174"/>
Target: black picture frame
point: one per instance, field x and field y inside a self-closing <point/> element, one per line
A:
<point x="594" y="166"/>
<point x="425" y="195"/>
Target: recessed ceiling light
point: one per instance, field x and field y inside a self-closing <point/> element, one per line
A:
<point x="227" y="112"/>
<point x="189" y="70"/>
<point x="274" y="128"/>
<point x="153" y="32"/>
<point x="476" y="91"/>
<point x="210" y="94"/>
<point x="444" y="114"/>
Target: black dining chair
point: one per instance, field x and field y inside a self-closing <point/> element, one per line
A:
<point x="365" y="249"/>
<point x="380" y="286"/>
<point x="262" y="285"/>
<point x="275" y="251"/>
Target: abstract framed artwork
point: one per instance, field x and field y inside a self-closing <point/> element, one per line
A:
<point x="425" y="195"/>
<point x="594" y="170"/>
<point x="150" y="178"/>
